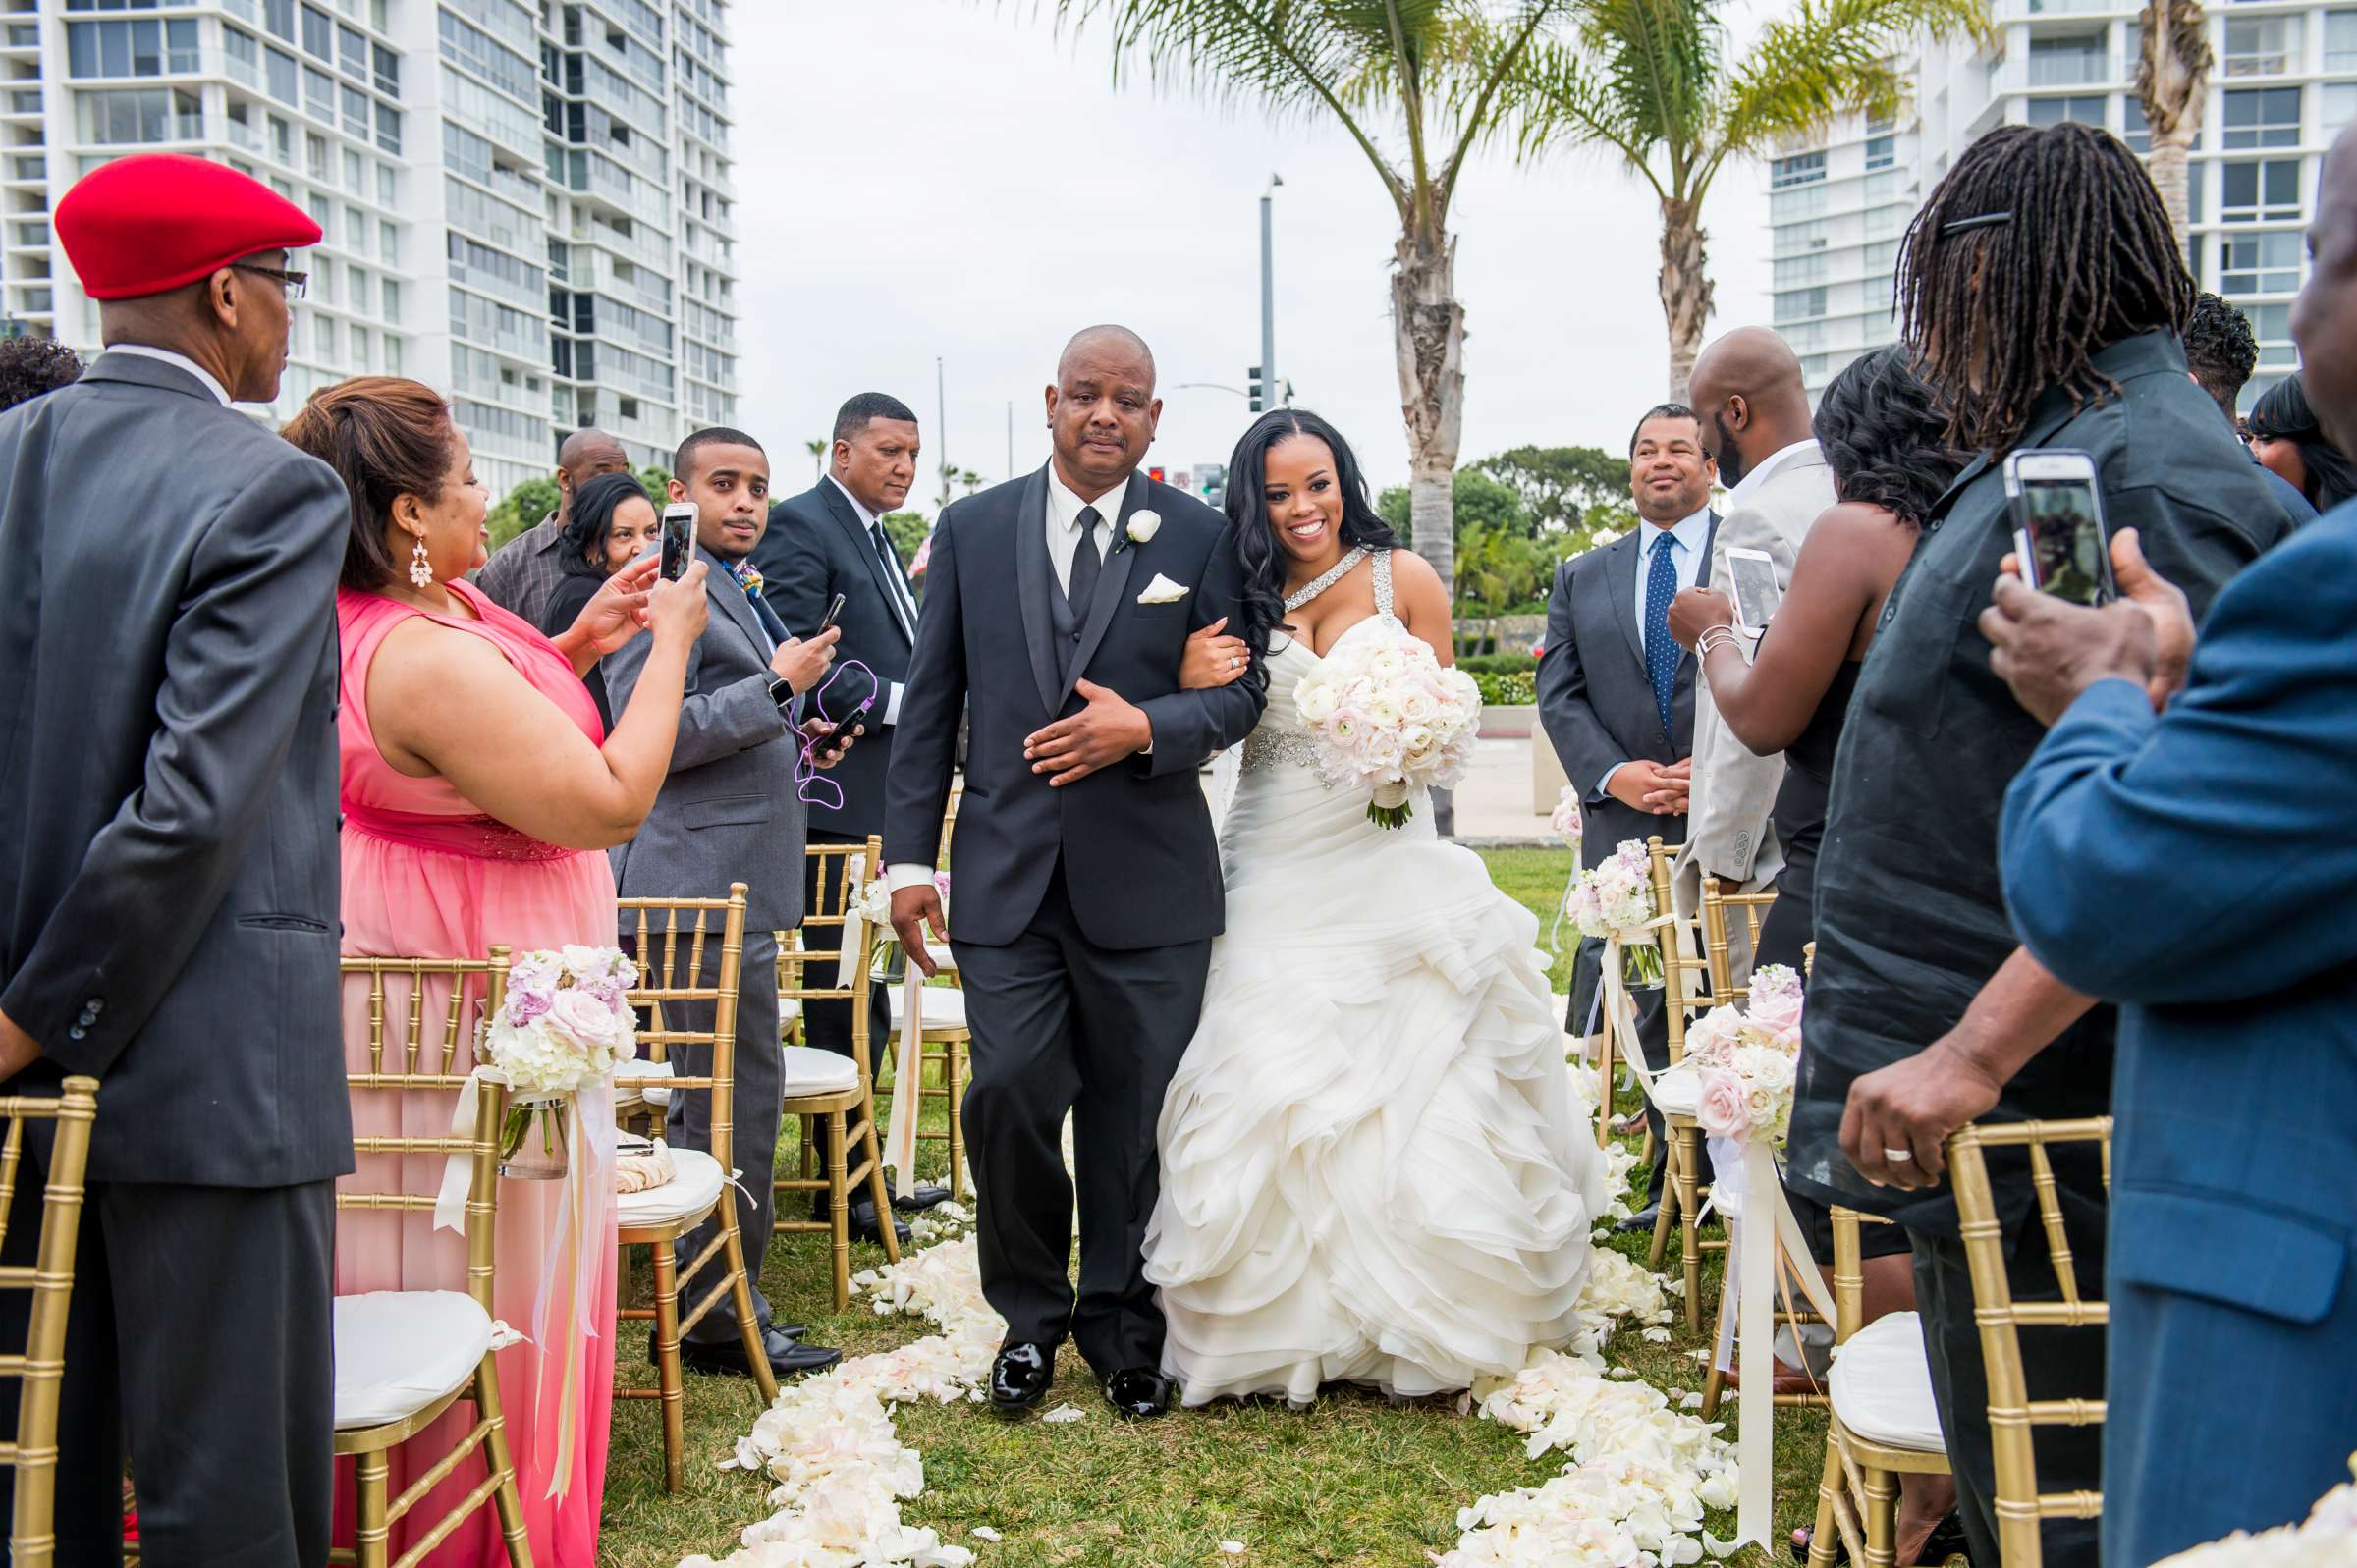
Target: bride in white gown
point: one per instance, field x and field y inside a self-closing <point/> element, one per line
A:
<point x="1373" y="1170"/>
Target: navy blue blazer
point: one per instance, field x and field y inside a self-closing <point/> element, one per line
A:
<point x="2200" y="868"/>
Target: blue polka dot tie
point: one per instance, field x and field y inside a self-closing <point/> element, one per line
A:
<point x="1661" y="653"/>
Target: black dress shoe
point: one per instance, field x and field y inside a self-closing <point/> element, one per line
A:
<point x="1019" y="1378"/>
<point x="1140" y="1393"/>
<point x="787" y="1357"/>
<point x="922" y="1199"/>
<point x="863" y="1226"/>
<point x="1641" y="1222"/>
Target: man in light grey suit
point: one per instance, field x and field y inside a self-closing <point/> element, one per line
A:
<point x="730" y="812"/>
<point x="167" y="877"/>
<point x="1755" y="423"/>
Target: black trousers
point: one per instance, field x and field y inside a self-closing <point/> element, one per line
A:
<point x="1062" y="1025"/>
<point x="199" y="1347"/>
<point x="1653" y="1033"/>
<point x="827" y="1025"/>
<point x="2056" y="1364"/>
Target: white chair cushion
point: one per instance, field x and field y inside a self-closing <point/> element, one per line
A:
<point x="685" y="1197"/>
<point x="1881" y="1386"/>
<point x="789" y="1009"/>
<point x="1677" y="1092"/>
<point x="630" y="1087"/>
<point x="943" y="1007"/>
<point x="812" y="1071"/>
<point x="943" y="958"/>
<point x="398" y="1351"/>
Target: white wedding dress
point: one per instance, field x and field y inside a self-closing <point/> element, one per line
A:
<point x="1373" y="1170"/>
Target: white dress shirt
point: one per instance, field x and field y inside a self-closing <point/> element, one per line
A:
<point x="1686" y="542"/>
<point x="182" y="360"/>
<point x="1758" y="476"/>
<point x="903" y="605"/>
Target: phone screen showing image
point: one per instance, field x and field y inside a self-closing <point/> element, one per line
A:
<point x="2061" y="524"/>
<point x="678" y="541"/>
<point x="1752" y="577"/>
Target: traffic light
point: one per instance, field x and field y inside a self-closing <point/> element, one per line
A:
<point x="1211" y="483"/>
<point x="1154" y="474"/>
<point x="1259" y="394"/>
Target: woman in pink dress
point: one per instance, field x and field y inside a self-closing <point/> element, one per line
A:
<point x="480" y="792"/>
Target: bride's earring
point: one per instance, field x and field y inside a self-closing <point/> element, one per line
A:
<point x="421" y="571"/>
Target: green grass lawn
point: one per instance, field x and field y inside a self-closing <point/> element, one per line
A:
<point x="1353" y="1481"/>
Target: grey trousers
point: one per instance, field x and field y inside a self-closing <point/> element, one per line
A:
<point x="199" y="1349"/>
<point x="755" y="1106"/>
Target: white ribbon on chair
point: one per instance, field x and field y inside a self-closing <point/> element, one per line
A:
<point x="900" y="1137"/>
<point x="1755" y="1331"/>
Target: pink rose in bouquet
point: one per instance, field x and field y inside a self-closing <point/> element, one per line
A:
<point x="1386" y="719"/>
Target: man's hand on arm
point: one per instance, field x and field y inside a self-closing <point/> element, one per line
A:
<point x="2050" y="650"/>
<point x="1101" y="734"/>
<point x="1650" y="786"/>
<point x="1899" y="1117"/>
<point x="18" y="1050"/>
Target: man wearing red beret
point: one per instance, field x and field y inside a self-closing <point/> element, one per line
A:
<point x="168" y="875"/>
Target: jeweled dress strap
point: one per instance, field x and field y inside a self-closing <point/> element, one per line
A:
<point x="1382" y="584"/>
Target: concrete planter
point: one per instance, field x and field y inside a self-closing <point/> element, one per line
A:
<point x="1504" y="722"/>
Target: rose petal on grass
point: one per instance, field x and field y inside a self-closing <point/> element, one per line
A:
<point x="1061" y="1414"/>
<point x="983" y="1533"/>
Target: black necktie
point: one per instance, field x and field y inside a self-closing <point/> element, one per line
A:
<point x="1086" y="564"/>
<point x="902" y="601"/>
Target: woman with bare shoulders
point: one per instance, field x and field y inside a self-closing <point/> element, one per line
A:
<point x="1372" y="1171"/>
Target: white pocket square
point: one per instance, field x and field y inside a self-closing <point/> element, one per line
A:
<point x="1162" y="591"/>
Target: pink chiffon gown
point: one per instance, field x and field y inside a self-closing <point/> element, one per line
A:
<point x="427" y="875"/>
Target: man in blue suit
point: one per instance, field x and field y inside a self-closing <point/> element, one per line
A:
<point x="2196" y="864"/>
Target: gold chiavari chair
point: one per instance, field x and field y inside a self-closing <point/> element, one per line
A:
<point x="402" y="1357"/>
<point x="1883" y="1422"/>
<point x="671" y="936"/>
<point x="40" y="1370"/>
<point x="2013" y="1416"/>
<point x="1725" y="915"/>
<point x="825" y="1089"/>
<point x="1687" y="990"/>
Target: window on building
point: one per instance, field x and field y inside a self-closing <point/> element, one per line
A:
<point x="355" y="231"/>
<point x="388" y="69"/>
<point x="355" y="173"/>
<point x="1882" y="257"/>
<point x="1783" y="206"/>
<point x="1791" y="240"/>
<point x="388" y="243"/>
<point x="2340" y="107"/>
<point x="392" y="354"/>
<point x="2340" y="40"/>
<point x="1793" y="272"/>
<point x="323" y="337"/>
<point x="352" y="50"/>
<point x="385" y="186"/>
<point x="143" y="48"/>
<point x="1798" y="305"/>
<point x="389" y="300"/>
<point x="278" y="17"/>
<point x="2070" y="60"/>
<point x="356" y="105"/>
<point x="388" y="128"/>
<point x="280" y="69"/>
<point x="2272" y="326"/>
<point x="319" y="94"/>
<point x="2261" y="191"/>
<point x="2086" y="110"/>
<point x="2262" y="46"/>
<point x="244" y="53"/>
<point x="1882" y="151"/>
<point x="1881" y="190"/>
<point x="282" y="140"/>
<point x="2134" y="131"/>
<point x="318" y="34"/>
<point x="136" y="117"/>
<point x="1800" y="169"/>
<point x="2262" y="117"/>
<point x="359" y="292"/>
<point x="2266" y="262"/>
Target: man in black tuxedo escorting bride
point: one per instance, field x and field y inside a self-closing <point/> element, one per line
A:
<point x="1057" y="608"/>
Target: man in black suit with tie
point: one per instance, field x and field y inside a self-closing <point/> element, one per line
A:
<point x="1617" y="695"/>
<point x="830" y="540"/>
<point x="1059" y="606"/>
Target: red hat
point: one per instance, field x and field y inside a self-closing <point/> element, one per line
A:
<point x="156" y="221"/>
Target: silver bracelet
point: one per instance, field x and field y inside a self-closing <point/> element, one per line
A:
<point x="1724" y="634"/>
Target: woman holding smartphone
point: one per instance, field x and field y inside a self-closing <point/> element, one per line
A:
<point x="1886" y="445"/>
<point x="613" y="523"/>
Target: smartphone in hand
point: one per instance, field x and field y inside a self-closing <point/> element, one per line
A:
<point x="679" y="539"/>
<point x="831" y="740"/>
<point x="2058" y="532"/>
<point x="1751" y="584"/>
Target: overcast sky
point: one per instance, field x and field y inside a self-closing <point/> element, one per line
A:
<point x="922" y="179"/>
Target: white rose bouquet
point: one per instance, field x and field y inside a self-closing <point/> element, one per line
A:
<point x="1745" y="1063"/>
<point x="1614" y="899"/>
<point x="564" y="1025"/>
<point x="1385" y="716"/>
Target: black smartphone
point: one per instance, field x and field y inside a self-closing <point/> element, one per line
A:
<point x="2058" y="532"/>
<point x="679" y="539"/>
<point x="830" y="741"/>
<point x="834" y="609"/>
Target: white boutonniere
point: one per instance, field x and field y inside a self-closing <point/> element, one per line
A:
<point x="1162" y="591"/>
<point x="1143" y="525"/>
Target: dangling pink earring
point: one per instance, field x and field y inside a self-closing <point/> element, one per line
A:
<point x="421" y="571"/>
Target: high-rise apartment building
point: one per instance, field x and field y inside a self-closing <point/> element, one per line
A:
<point x="2284" y="84"/>
<point x="527" y="206"/>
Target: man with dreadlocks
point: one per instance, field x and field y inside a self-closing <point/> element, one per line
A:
<point x="2046" y="296"/>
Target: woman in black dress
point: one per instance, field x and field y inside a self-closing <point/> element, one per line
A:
<point x="1884" y="440"/>
<point x="611" y="523"/>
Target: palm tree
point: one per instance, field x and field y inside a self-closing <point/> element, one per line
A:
<point x="818" y="454"/>
<point x="2173" y="82"/>
<point x="1654" y="82"/>
<point x="1416" y="84"/>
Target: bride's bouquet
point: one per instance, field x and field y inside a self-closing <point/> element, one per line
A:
<point x="563" y="1024"/>
<point x="1384" y="717"/>
<point x="1614" y="899"/>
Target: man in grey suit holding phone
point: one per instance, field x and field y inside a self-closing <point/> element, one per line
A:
<point x="731" y="811"/>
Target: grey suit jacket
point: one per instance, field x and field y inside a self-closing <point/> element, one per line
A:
<point x="1728" y="832"/>
<point x="168" y="858"/>
<point x="729" y="811"/>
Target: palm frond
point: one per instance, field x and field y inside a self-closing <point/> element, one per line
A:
<point x="1830" y="57"/>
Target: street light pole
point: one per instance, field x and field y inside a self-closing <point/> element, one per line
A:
<point x="1268" y="291"/>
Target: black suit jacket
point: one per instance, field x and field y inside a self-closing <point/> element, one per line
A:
<point x="816" y="548"/>
<point x="1140" y="861"/>
<point x="1595" y="697"/>
<point x="168" y="857"/>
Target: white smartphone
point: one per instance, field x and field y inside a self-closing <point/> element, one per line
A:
<point x="1751" y="584"/>
<point x="679" y="539"/>
<point x="2058" y="532"/>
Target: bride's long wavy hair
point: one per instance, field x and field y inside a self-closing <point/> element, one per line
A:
<point x="1264" y="558"/>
